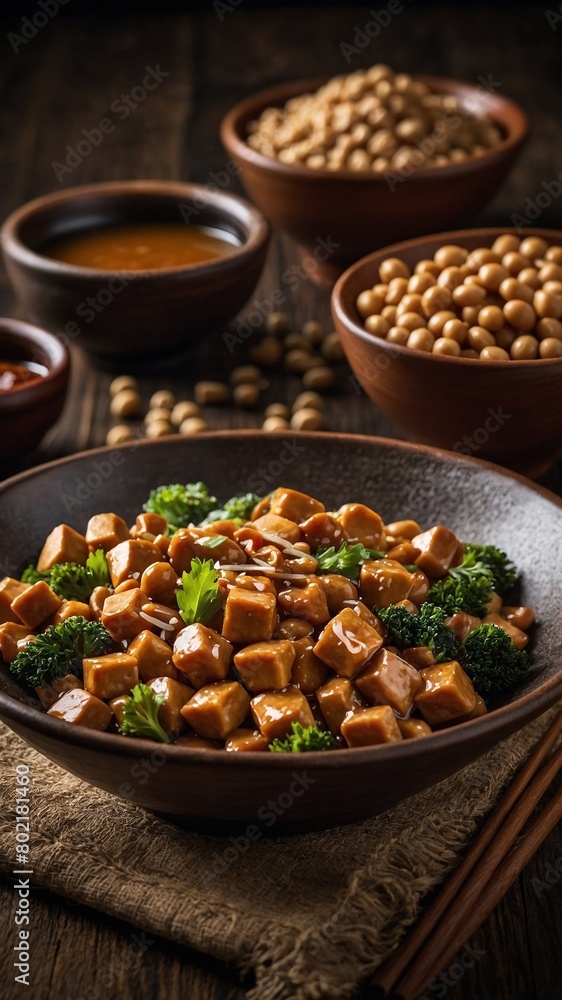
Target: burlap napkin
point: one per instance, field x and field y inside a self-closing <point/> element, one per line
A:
<point x="311" y="916"/>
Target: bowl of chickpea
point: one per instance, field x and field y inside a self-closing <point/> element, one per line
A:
<point x="369" y="158"/>
<point x="457" y="338"/>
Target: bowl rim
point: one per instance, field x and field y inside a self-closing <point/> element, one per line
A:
<point x="235" y="142"/>
<point x="230" y="206"/>
<point x="57" y="362"/>
<point x="343" y="316"/>
<point x="541" y="699"/>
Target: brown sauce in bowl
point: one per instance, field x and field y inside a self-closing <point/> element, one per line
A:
<point x="15" y="374"/>
<point x="142" y="246"/>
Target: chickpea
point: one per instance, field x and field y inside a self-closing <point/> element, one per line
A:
<point x="447" y="346"/>
<point x="278" y="410"/>
<point x="469" y="294"/>
<point x="505" y="244"/>
<point x="123" y="382"/>
<point x="306" y="420"/>
<point x="182" y="410"/>
<point x="378" y="326"/>
<point x="368" y="303"/>
<point x="275" y="424"/>
<point x="547" y="305"/>
<point x="491" y="318"/>
<point x="524" y="348"/>
<point x="159" y="413"/>
<point x="277" y="324"/>
<point x="313" y="332"/>
<point x="163" y="399"/>
<point x="419" y="283"/>
<point x="410" y="320"/>
<point x="412" y="302"/>
<point x="267" y="352"/>
<point x="553" y="287"/>
<point x="308" y="401"/>
<point x="548" y="327"/>
<point x="519" y="314"/>
<point x="158" y="428"/>
<point x="436" y="323"/>
<point x="550" y="347"/>
<point x="427" y="266"/>
<point x="245" y="373"/>
<point x="211" y="393"/>
<point x="450" y="255"/>
<point x="246" y="395"/>
<point x="421" y="340"/>
<point x="398" y="335"/>
<point x="332" y="349"/>
<point x="299" y="361"/>
<point x="505" y="337"/>
<point x="482" y="255"/>
<point x="436" y="300"/>
<point x="529" y="276"/>
<point x="550" y="272"/>
<point x="494" y="354"/>
<point x="511" y="288"/>
<point x="533" y="247"/>
<point x="296" y="341"/>
<point x="320" y="378"/>
<point x="119" y="434"/>
<point x="393" y="267"/>
<point x="451" y="277"/>
<point x="492" y="275"/>
<point x="397" y="288"/>
<point x="521" y="617"/>
<point x="554" y="254"/>
<point x="514" y="262"/>
<point x="126" y="403"/>
<point x="381" y="290"/>
<point x="389" y="313"/>
<point x="479" y="338"/>
<point x="470" y="315"/>
<point x="193" y="425"/>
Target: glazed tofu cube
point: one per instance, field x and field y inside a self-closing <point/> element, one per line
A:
<point x="272" y="524"/>
<point x="201" y="654"/>
<point x="217" y="710"/>
<point x="418" y="656"/>
<point x="36" y="604"/>
<point x="51" y="693"/>
<point x="384" y="582"/>
<point x="64" y="544"/>
<point x="220" y="548"/>
<point x="105" y="531"/>
<point x="438" y="548"/>
<point x="361" y="524"/>
<point x="82" y="709"/>
<point x="246" y="741"/>
<point x="249" y="616"/>
<point x="10" y="634"/>
<point x="181" y="551"/>
<point x="98" y="597"/>
<point x="153" y="656"/>
<point x="389" y="680"/>
<point x="128" y="560"/>
<point x="447" y="693"/>
<point x="517" y="636"/>
<point x="462" y="624"/>
<point x="307" y="602"/>
<point x="175" y="696"/>
<point x="248" y="581"/>
<point x="265" y="666"/>
<point x="9" y="590"/>
<point x="309" y="671"/>
<point x="150" y="524"/>
<point x="365" y="615"/>
<point x="412" y="729"/>
<point x="337" y="699"/>
<point x="322" y="530"/>
<point x="293" y="505"/>
<point x="110" y="675"/>
<point x="371" y="726"/>
<point x="121" y="614"/>
<point x="402" y="531"/>
<point x="347" y="643"/>
<point x="340" y="592"/>
<point x="116" y="706"/>
<point x="72" y="609"/>
<point x="159" y="582"/>
<point x="275" y="711"/>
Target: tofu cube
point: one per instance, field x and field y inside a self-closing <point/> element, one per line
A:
<point x="462" y="624"/>
<point x="36" y="604"/>
<point x="201" y="654"/>
<point x="153" y="656"/>
<point x="64" y="544"/>
<point x="246" y="741"/>
<point x="418" y="656"/>
<point x="72" y="609"/>
<point x="159" y="582"/>
<point x="51" y="693"/>
<point x="217" y="710"/>
<point x="121" y="614"/>
<point x="10" y="634"/>
<point x="339" y="591"/>
<point x="323" y="530"/>
<point x="438" y="549"/>
<point x="370" y="727"/>
<point x="309" y="672"/>
<point x="105" y="531"/>
<point x="82" y="709"/>
<point x="265" y="666"/>
<point x="150" y="524"/>
<point x="272" y="524"/>
<point x="347" y="643"/>
<point x="110" y="675"/>
<point x="275" y="711"/>
<point x="175" y="696"/>
<point x="389" y="680"/>
<point x="447" y="693"/>
<point x="307" y="602"/>
<point x="336" y="700"/>
<point x="9" y="590"/>
<point x="517" y="636"/>
<point x="219" y="548"/>
<point x="249" y="616"/>
<point x="293" y="505"/>
<point x="128" y="560"/>
<point x="116" y="706"/>
<point x="384" y="582"/>
<point x="361" y="524"/>
<point x="412" y="729"/>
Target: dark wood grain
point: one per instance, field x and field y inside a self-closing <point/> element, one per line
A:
<point x="64" y="80"/>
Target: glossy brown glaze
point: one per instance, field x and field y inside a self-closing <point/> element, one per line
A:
<point x="337" y="217"/>
<point x="196" y="785"/>
<point x="508" y="412"/>
<point x="124" y="314"/>
<point x="28" y="411"/>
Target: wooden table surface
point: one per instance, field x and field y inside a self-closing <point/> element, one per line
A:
<point x="63" y="81"/>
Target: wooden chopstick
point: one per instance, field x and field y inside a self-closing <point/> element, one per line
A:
<point x="390" y="974"/>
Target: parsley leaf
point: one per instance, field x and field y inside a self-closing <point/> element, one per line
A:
<point x="199" y="598"/>
<point x="140" y="714"/>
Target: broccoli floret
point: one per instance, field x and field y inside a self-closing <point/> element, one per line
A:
<point x="492" y="661"/>
<point x="32" y="575"/>
<point x="60" y="650"/>
<point x="425" y="629"/>
<point x="181" y="504"/>
<point x="502" y="571"/>
<point x="469" y="595"/>
<point x="236" y="509"/>
<point x="303" y="739"/>
<point x="72" y="581"/>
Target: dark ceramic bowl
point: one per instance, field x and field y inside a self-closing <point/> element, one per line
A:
<point x="28" y="411"/>
<point x="133" y="314"/>
<point x="508" y="412"/>
<point x="336" y="217"/>
<point x="477" y="500"/>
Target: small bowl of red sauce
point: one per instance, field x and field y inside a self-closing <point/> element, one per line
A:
<point x="134" y="269"/>
<point x="34" y="372"/>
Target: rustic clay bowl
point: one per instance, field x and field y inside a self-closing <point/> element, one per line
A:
<point x="508" y="412"/>
<point x="135" y="314"/>
<point x="336" y="217"/>
<point x="28" y="411"/>
<point x="479" y="501"/>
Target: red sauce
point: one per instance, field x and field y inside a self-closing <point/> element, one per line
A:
<point x="14" y="375"/>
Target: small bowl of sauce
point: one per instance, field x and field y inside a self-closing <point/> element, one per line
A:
<point x="15" y="375"/>
<point x="129" y="270"/>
